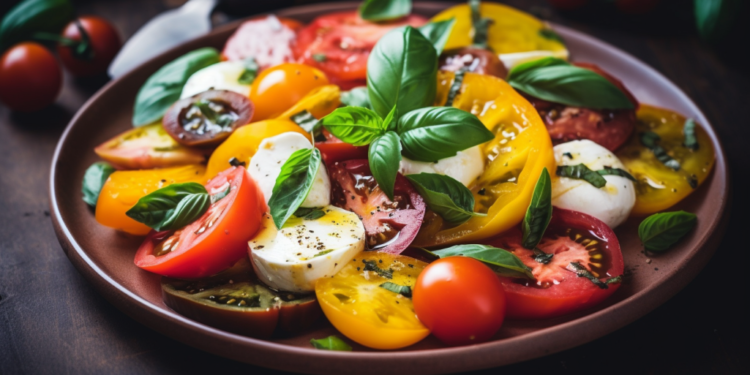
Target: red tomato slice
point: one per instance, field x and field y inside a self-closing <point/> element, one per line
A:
<point x="215" y="241"/>
<point x="390" y="226"/>
<point x="267" y="39"/>
<point x="340" y="43"/>
<point x="572" y="237"/>
<point x="334" y="149"/>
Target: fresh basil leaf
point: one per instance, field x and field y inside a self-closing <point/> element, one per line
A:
<point x="567" y="84"/>
<point x="524" y="68"/>
<point x="357" y="126"/>
<point x="539" y="213"/>
<point x="690" y="141"/>
<point x="293" y="184"/>
<point x="398" y="289"/>
<point x="384" y="10"/>
<point x="550" y="34"/>
<point x="384" y="156"/>
<point x="402" y="72"/>
<point x="220" y="195"/>
<point x="164" y="87"/>
<point x="388" y="123"/>
<point x="438" y="32"/>
<point x="714" y="18"/>
<point x="331" y="343"/>
<point x="319" y="57"/>
<point x="445" y="196"/>
<point x="306" y="121"/>
<point x="458" y="81"/>
<point x="504" y="262"/>
<point x="659" y="232"/>
<point x="33" y="16"/>
<point x="171" y="207"/>
<point x="356" y="97"/>
<point x="480" y="25"/>
<point x="93" y="181"/>
<point x="247" y="77"/>
<point x="581" y="271"/>
<point x="370" y="265"/>
<point x="650" y="140"/>
<point x="609" y="171"/>
<point x="434" y="133"/>
<point x="306" y="213"/>
<point x="542" y="257"/>
<point x="581" y="172"/>
<point x="234" y="162"/>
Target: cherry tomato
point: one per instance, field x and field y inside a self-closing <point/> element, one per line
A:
<point x="340" y="43"/>
<point x="390" y="226"/>
<point x="30" y="77"/>
<point x="273" y="48"/>
<point x="572" y="237"/>
<point x="105" y="43"/>
<point x="334" y="149"/>
<point x="460" y="300"/>
<point x="216" y="240"/>
<point x="279" y="88"/>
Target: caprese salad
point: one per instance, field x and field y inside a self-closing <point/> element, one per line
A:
<point x="401" y="176"/>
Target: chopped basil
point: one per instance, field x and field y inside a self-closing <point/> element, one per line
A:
<point x="293" y="184"/>
<point x="250" y="73"/>
<point x="218" y="196"/>
<point x="614" y="280"/>
<point x="371" y="265"/>
<point x="480" y="25"/>
<point x="236" y="162"/>
<point x="650" y="140"/>
<point x="455" y="89"/>
<point x="691" y="141"/>
<point x="324" y="252"/>
<point x="581" y="271"/>
<point x="539" y="213"/>
<point x="171" y="207"/>
<point x="608" y="171"/>
<point x="319" y="57"/>
<point x="581" y="172"/>
<point x="542" y="257"/>
<point x="331" y="343"/>
<point x="550" y="34"/>
<point x="398" y="289"/>
<point x="93" y="181"/>
<point x="568" y="155"/>
<point x="659" y="232"/>
<point x="309" y="213"/>
<point x="306" y="121"/>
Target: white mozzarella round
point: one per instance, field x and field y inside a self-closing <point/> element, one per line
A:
<point x="304" y="251"/>
<point x="465" y="167"/>
<point x="511" y="60"/>
<point x="611" y="203"/>
<point x="220" y="76"/>
<point x="272" y="153"/>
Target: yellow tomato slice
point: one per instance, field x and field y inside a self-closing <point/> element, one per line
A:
<point x="123" y="189"/>
<point x="659" y="186"/>
<point x="359" y="308"/>
<point x="319" y="102"/>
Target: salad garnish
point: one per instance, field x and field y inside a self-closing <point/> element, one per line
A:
<point x="247" y="77"/>
<point x="384" y="10"/>
<point x="650" y="140"/>
<point x="538" y="215"/>
<point x="505" y="263"/>
<point x="93" y="181"/>
<point x="172" y="207"/>
<point x="293" y="184"/>
<point x="661" y="231"/>
<point x="691" y="141"/>
<point x="331" y="343"/>
<point x="445" y="196"/>
<point x="398" y="289"/>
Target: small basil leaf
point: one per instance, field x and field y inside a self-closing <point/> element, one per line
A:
<point x="480" y="25"/>
<point x="445" y="196"/>
<point x="691" y="141"/>
<point x="293" y="184"/>
<point x="458" y="81"/>
<point x="581" y="271"/>
<point x="93" y="181"/>
<point x="581" y="172"/>
<point x="356" y="97"/>
<point x="354" y="125"/>
<point x="384" y="156"/>
<point x="319" y="57"/>
<point x="306" y="213"/>
<point x="659" y="232"/>
<point x="434" y="133"/>
<point x="220" y="195"/>
<point x="542" y="257"/>
<point x="650" y="140"/>
<point x="161" y="209"/>
<point x="188" y="210"/>
<point x="550" y="34"/>
<point x="164" y="87"/>
<point x="306" y="121"/>
<point x="370" y="265"/>
<point x="247" y="77"/>
<point x="539" y="212"/>
<point x="398" y="289"/>
<point x="33" y="16"/>
<point x="524" y="68"/>
<point x="384" y="10"/>
<point x="608" y="171"/>
<point x="504" y="262"/>
<point x="402" y="72"/>
<point x="331" y="343"/>
<point x="438" y="33"/>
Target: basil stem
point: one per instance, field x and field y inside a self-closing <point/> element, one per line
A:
<point x="539" y="212"/>
<point x="609" y="171"/>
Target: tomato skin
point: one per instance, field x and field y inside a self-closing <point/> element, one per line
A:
<point x="30" y="77"/>
<point x="235" y="218"/>
<point x="279" y="88"/>
<point x="105" y="43"/>
<point x="334" y="149"/>
<point x="460" y="300"/>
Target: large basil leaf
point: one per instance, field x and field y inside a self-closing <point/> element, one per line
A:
<point x="93" y="181"/>
<point x="715" y="18"/>
<point x="402" y="72"/>
<point x="33" y="16"/>
<point x="293" y="184"/>
<point x="384" y="10"/>
<point x="659" y="232"/>
<point x="539" y="212"/>
<point x="171" y="207"/>
<point x="164" y="87"/>
<point x="357" y="126"/>
<point x="566" y="84"/>
<point x="438" y="33"/>
<point x="445" y="196"/>
<point x="384" y="156"/>
<point x="331" y="343"/>
<point x="434" y="133"/>
<point x="356" y="97"/>
<point x="504" y="262"/>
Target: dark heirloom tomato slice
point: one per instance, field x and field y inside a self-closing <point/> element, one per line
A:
<point x="267" y="39"/>
<point x="572" y="237"/>
<point x="390" y="226"/>
<point x="334" y="149"/>
<point x="475" y="60"/>
<point x="207" y="118"/>
<point x="610" y="128"/>
<point x="235" y="301"/>
<point x="213" y="242"/>
<point x="340" y="43"/>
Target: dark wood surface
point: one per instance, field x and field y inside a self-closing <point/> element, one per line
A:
<point x="53" y="322"/>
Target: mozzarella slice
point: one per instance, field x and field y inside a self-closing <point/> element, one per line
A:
<point x="272" y="153"/>
<point x="511" y="60"/>
<point x="611" y="203"/>
<point x="465" y="167"/>
<point x="220" y="76"/>
<point x="303" y="251"/>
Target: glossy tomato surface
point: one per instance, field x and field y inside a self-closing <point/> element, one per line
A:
<point x="30" y="77"/>
<point x="281" y="87"/>
<point x="266" y="39"/>
<point x="390" y="226"/>
<point x="104" y="45"/>
<point x="460" y="300"/>
<point x="572" y="237"/>
<point x="334" y="149"/>
<point x="216" y="240"/>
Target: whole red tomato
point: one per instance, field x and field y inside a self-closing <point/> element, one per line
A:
<point x="30" y="77"/>
<point x="104" y="45"/>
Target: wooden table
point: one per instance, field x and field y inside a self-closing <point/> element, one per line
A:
<point x="53" y="322"/>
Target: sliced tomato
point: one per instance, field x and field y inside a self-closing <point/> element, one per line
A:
<point x="273" y="48"/>
<point x="472" y="59"/>
<point x="334" y="149"/>
<point x="575" y="240"/>
<point x="390" y="226"/>
<point x="340" y="43"/>
<point x="216" y="240"/>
